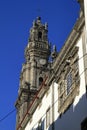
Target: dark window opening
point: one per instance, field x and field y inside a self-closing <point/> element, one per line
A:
<point x="40" y="80"/>
<point x="39" y="35"/>
<point x="84" y="124"/>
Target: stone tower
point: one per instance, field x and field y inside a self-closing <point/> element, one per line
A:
<point x="35" y="68"/>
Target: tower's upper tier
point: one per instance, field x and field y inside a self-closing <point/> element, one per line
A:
<point x="39" y="31"/>
<point x="38" y="43"/>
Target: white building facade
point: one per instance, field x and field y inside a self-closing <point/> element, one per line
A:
<point x="61" y="101"/>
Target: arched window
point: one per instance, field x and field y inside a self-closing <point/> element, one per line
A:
<point x="39" y="35"/>
<point x="40" y="80"/>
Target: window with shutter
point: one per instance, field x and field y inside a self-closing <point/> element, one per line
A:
<point x="40" y="125"/>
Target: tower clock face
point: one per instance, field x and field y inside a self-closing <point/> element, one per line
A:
<point x="42" y="61"/>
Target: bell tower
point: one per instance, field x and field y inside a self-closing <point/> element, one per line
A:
<point x="35" y="67"/>
<point x="37" y="54"/>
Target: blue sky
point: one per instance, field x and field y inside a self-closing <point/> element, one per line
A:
<point x="16" y="19"/>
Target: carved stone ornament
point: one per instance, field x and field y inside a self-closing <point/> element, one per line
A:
<point x="69" y="81"/>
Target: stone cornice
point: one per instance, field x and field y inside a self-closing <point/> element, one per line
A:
<point x="69" y="44"/>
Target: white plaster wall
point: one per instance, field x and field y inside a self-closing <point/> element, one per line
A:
<point x="85" y="12"/>
<point x="81" y="73"/>
<point x="56" y="114"/>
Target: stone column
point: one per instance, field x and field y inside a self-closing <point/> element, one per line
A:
<point x="33" y="74"/>
<point x="27" y="73"/>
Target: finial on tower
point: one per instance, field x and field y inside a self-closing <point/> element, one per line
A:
<point x="81" y="2"/>
<point x="54" y="52"/>
<point x="46" y="26"/>
<point x="38" y="19"/>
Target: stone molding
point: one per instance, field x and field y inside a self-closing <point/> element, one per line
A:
<point x="69" y="44"/>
